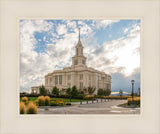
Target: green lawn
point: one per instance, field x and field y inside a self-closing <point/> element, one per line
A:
<point x="65" y="99"/>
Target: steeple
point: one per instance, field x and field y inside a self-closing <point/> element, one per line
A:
<point x="79" y="58"/>
<point x="79" y="40"/>
<point x="79" y="47"/>
<point x="79" y="33"/>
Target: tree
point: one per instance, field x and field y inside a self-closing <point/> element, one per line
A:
<point x="42" y="90"/>
<point x="107" y="92"/>
<point x="85" y="90"/>
<point x="55" y="91"/>
<point x="100" y="92"/>
<point x="74" y="91"/>
<point x="91" y="90"/>
<point x="68" y="91"/>
<point x="120" y="93"/>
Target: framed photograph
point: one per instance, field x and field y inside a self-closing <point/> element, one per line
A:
<point x="80" y="67"/>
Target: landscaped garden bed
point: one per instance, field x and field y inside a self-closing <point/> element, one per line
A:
<point x="129" y="102"/>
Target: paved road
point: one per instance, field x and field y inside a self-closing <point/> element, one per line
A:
<point x="108" y="107"/>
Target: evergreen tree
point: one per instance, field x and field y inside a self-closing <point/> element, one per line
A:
<point x="107" y="92"/>
<point x="68" y="91"/>
<point x="74" y="91"/>
<point x="55" y="91"/>
<point x="43" y="91"/>
<point x="100" y="92"/>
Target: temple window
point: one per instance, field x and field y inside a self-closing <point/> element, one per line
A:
<point x="56" y="80"/>
<point x="81" y="85"/>
<point x="60" y="79"/>
<point x="81" y="76"/>
<point x="76" y="62"/>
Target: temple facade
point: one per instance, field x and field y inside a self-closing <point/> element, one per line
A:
<point x="78" y="74"/>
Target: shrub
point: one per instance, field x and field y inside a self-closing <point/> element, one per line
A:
<point x="22" y="108"/>
<point x="36" y="102"/>
<point x="89" y="97"/>
<point x="25" y="100"/>
<point x="47" y="100"/>
<point x="79" y="96"/>
<point x="59" y="102"/>
<point x="53" y="103"/>
<point x="41" y="101"/>
<point x="136" y="101"/>
<point x="31" y="109"/>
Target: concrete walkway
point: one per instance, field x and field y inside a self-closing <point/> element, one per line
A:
<point x="108" y="107"/>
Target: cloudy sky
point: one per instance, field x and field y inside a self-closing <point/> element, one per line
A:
<point x="112" y="46"/>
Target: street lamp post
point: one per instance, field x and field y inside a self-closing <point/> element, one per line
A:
<point x="132" y="81"/>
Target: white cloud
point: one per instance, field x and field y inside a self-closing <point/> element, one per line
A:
<point x="61" y="29"/>
<point x="104" y="23"/>
<point x="120" y="55"/>
<point x="111" y="57"/>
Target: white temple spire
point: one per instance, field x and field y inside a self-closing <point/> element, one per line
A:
<point x="79" y="33"/>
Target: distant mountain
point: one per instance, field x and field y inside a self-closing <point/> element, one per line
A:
<point x="117" y="93"/>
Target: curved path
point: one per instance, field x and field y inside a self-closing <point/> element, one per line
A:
<point x="108" y="107"/>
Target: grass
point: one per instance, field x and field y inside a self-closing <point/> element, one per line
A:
<point x="65" y="99"/>
<point x="123" y="105"/>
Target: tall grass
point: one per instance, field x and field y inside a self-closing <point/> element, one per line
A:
<point x="41" y="101"/>
<point x="136" y="101"/>
<point x="47" y="100"/>
<point x="32" y="108"/>
<point x="25" y="100"/>
<point x="22" y="108"/>
<point x="89" y="97"/>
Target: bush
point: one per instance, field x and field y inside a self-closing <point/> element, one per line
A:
<point x="89" y="97"/>
<point x="136" y="101"/>
<point x="41" y="101"/>
<point x="25" y="100"/>
<point x="47" y="100"/>
<point x="58" y="102"/>
<point x="79" y="96"/>
<point x="31" y="109"/>
<point x="22" y="108"/>
<point x="53" y="103"/>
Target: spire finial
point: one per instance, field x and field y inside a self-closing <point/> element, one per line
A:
<point x="79" y="32"/>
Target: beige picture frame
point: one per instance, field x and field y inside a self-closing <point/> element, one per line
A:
<point x="147" y="122"/>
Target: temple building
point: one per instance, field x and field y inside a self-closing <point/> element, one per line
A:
<point x="77" y="74"/>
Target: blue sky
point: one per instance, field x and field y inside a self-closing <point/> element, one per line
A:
<point x="112" y="46"/>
